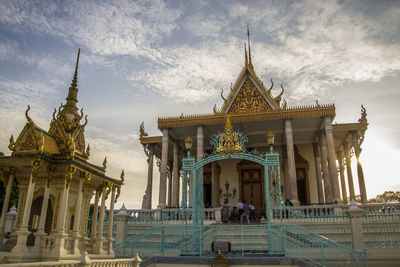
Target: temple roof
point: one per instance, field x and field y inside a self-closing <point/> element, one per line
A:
<point x="64" y="143"/>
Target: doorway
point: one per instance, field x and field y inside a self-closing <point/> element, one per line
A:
<point x="252" y="189"/>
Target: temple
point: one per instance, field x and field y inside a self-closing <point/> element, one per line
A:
<point x="314" y="151"/>
<point x="56" y="184"/>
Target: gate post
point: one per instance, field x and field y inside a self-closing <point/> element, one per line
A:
<point x="355" y="213"/>
<point x="121" y="223"/>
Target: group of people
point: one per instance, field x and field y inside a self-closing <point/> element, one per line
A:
<point x="244" y="210"/>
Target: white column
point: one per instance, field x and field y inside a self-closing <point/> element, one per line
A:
<point x="325" y="169"/>
<point x="95" y="214"/>
<point x="102" y="211"/>
<point x="169" y="186"/>
<point x="43" y="211"/>
<point x="111" y="214"/>
<point x="162" y="196"/>
<point x="78" y="206"/>
<point x="349" y="175"/>
<point x="342" y="179"/>
<point x="288" y="195"/>
<point x="28" y="204"/>
<point x="200" y="141"/>
<point x="7" y="198"/>
<point x="149" y="188"/>
<point x="332" y="158"/>
<point x="360" y="173"/>
<point x="317" y="158"/>
<point x="291" y="162"/>
<point x="62" y="211"/>
<point x="175" y="176"/>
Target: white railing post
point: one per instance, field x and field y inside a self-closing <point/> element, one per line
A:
<point x="218" y="215"/>
<point x="355" y="213"/>
<point x="121" y="225"/>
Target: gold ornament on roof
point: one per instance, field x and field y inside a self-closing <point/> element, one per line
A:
<point x="228" y="142"/>
<point x="105" y="163"/>
<point x="363" y="118"/>
<point x="11" y="146"/>
<point x="122" y="176"/>
<point x="249" y="99"/>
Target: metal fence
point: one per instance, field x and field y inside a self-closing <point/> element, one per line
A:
<point x="245" y="241"/>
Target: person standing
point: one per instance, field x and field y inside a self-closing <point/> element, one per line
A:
<point x="252" y="211"/>
<point x="246" y="212"/>
<point x="239" y="210"/>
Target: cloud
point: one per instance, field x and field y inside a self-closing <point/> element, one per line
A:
<point x="123" y="152"/>
<point x="197" y="73"/>
<point x="104" y="27"/>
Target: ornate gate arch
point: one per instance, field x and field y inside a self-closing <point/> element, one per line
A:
<point x="229" y="144"/>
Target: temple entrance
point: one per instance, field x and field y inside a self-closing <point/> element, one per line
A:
<point x="252" y="190"/>
<point x="302" y="185"/>
<point x="35" y="217"/>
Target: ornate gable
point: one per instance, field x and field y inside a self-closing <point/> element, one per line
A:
<point x="33" y="139"/>
<point x="248" y="94"/>
<point x="249" y="99"/>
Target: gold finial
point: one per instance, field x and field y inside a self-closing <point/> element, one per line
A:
<point x="122" y="175"/>
<point x="142" y="130"/>
<point x="363" y="118"/>
<point x="27" y="115"/>
<point x="228" y="141"/>
<point x="284" y="104"/>
<point x="248" y="39"/>
<point x="11" y="146"/>
<point x="219" y="252"/>
<point x="228" y="124"/>
<point x="272" y="85"/>
<point x="105" y="163"/>
<point x="222" y="95"/>
<point x="87" y="150"/>
<point x="73" y="90"/>
<point x="246" y="62"/>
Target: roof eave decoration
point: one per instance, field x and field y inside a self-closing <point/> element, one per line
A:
<point x="281" y="114"/>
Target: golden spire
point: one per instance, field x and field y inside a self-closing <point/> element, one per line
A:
<point x="248" y="39"/>
<point x="72" y="97"/>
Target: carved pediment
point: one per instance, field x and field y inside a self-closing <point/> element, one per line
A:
<point x="249" y="99"/>
<point x="28" y="141"/>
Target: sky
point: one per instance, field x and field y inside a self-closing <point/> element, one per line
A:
<point x="141" y="60"/>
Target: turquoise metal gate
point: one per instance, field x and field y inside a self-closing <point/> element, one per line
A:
<point x="267" y="239"/>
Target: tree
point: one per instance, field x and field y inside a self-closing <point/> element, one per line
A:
<point x="386" y="197"/>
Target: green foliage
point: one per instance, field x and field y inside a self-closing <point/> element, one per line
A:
<point x="386" y="197"/>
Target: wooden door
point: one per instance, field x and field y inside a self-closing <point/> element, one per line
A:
<point x="252" y="189"/>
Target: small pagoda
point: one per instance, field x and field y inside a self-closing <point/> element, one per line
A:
<point x="56" y="185"/>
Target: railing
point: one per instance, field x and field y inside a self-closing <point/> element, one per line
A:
<point x="311" y="212"/>
<point x="381" y="225"/>
<point x="75" y="263"/>
<point x="245" y="240"/>
<point x="319" y="251"/>
<point x="165" y="216"/>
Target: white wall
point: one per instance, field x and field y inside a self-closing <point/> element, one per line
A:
<point x="229" y="174"/>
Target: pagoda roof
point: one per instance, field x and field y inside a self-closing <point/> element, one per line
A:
<point x="315" y="111"/>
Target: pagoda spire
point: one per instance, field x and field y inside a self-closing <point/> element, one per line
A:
<point x="72" y="97"/>
<point x="248" y="39"/>
<point x="246" y="62"/>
